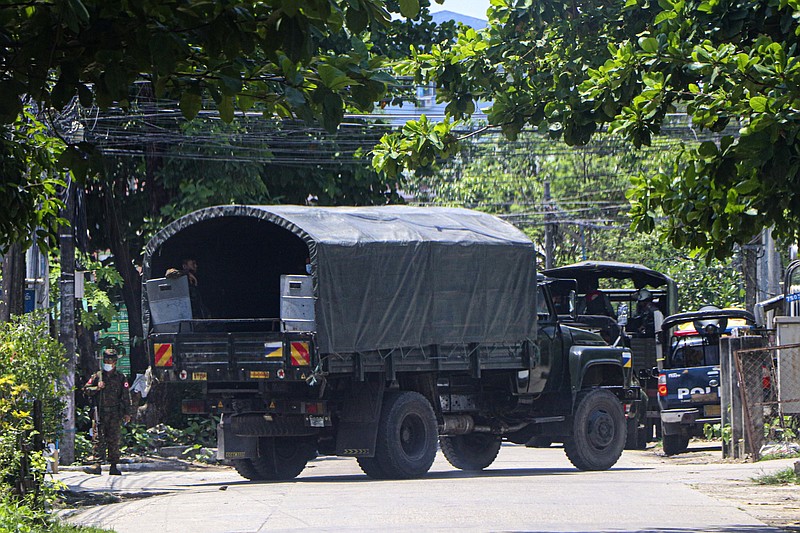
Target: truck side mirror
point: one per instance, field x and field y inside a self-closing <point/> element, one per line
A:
<point x="573" y="305"/>
<point x="647" y="373"/>
<point x="622" y="315"/>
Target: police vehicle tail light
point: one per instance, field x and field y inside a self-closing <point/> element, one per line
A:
<point x="662" y="384"/>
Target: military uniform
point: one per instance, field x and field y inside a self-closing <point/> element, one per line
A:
<point x="113" y="404"/>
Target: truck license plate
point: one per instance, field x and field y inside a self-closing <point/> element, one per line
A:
<point x="712" y="410"/>
<point x="316" y="421"/>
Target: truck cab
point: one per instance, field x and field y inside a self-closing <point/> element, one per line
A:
<point x="622" y="286"/>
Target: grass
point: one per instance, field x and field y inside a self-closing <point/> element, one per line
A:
<point x="786" y="476"/>
<point x="18" y="517"/>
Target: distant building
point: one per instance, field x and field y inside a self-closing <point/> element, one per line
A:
<point x="444" y="16"/>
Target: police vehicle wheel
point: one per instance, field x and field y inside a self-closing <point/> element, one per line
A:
<point x="283" y="458"/>
<point x="371" y="467"/>
<point x="407" y="432"/>
<point x="246" y="469"/>
<point x="598" y="431"/>
<point x="470" y="452"/>
<point x="675" y="444"/>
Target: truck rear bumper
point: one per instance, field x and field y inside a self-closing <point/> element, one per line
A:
<point x="673" y="420"/>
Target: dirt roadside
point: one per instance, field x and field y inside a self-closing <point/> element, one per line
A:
<point x="775" y="505"/>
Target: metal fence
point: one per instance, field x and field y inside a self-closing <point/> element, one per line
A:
<point x="768" y="410"/>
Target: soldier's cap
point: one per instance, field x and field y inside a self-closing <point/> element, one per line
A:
<point x="110" y="353"/>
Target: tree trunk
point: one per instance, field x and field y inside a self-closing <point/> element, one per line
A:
<point x="131" y="280"/>
<point x="12" y="290"/>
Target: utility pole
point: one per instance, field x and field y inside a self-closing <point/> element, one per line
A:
<point x="750" y="252"/>
<point x="549" y="247"/>
<point x="66" y="335"/>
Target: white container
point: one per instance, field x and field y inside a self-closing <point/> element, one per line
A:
<point x="297" y="303"/>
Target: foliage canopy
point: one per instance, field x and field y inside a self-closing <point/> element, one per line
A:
<point x="572" y="68"/>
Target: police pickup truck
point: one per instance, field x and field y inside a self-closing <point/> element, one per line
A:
<point x="689" y="381"/>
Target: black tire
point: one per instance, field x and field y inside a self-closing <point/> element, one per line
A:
<point x="636" y="434"/>
<point x="371" y="467"/>
<point x="539" y="441"/>
<point x="246" y="469"/>
<point x="283" y="458"/>
<point x="471" y="452"/>
<point x="407" y="433"/>
<point x="674" y="444"/>
<point x="598" y="431"/>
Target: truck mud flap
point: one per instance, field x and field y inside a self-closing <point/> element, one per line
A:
<point x="258" y="425"/>
<point x="230" y="446"/>
<point x="358" y="426"/>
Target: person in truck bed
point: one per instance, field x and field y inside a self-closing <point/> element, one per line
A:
<point x="596" y="302"/>
<point x="189" y="269"/>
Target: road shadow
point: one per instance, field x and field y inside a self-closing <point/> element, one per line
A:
<point x="444" y="475"/>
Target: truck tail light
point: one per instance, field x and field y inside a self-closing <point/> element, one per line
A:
<point x="662" y="384"/>
<point x="193" y="407"/>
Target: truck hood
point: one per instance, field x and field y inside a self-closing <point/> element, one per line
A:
<point x="581" y="337"/>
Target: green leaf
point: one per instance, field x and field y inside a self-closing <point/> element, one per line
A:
<point x="758" y="104"/>
<point x="190" y="105"/>
<point x="409" y="8"/>
<point x="649" y="44"/>
<point x="357" y="19"/>
<point x="226" y="109"/>
<point x="294" y="97"/>
<point x="708" y="149"/>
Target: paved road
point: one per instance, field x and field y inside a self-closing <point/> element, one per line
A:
<point x="524" y="490"/>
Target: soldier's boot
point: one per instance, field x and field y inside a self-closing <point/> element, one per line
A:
<point x="114" y="471"/>
<point x="93" y="470"/>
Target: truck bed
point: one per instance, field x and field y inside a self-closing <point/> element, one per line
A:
<point x="227" y="351"/>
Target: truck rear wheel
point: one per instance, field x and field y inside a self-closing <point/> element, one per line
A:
<point x="598" y="431"/>
<point x="246" y="469"/>
<point x="470" y="452"/>
<point x="407" y="432"/>
<point x="675" y="444"/>
<point x="371" y="467"/>
<point x="283" y="458"/>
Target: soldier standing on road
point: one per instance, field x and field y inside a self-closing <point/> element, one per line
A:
<point x="111" y="399"/>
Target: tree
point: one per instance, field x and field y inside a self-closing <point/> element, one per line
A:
<point x="310" y="60"/>
<point x="573" y="68"/>
<point x="588" y="208"/>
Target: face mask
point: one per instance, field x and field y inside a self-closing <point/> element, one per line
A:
<point x="308" y="269"/>
<point x="107" y="367"/>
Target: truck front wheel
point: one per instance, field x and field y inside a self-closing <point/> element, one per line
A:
<point x="282" y="458"/>
<point x="598" y="431"/>
<point x="470" y="452"/>
<point x="407" y="433"/>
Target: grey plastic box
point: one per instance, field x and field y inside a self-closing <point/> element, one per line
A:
<point x="169" y="303"/>
<point x="297" y="303"/>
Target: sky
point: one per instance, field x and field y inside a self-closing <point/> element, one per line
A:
<point x="473" y="8"/>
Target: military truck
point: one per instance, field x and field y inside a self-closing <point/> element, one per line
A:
<point x="414" y="325"/>
<point x="622" y="285"/>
